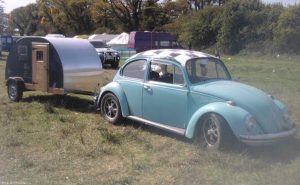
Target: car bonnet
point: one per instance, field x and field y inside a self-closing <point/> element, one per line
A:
<point x="251" y="99"/>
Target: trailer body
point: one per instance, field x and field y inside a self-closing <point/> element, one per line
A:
<point x="55" y="65"/>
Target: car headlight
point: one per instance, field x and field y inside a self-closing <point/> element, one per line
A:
<point x="271" y="96"/>
<point x="287" y="118"/>
<point x="250" y="122"/>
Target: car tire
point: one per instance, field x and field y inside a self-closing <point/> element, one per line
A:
<point x="110" y="108"/>
<point x="15" y="90"/>
<point x="102" y="61"/>
<point x="215" y="133"/>
<point x="115" y="65"/>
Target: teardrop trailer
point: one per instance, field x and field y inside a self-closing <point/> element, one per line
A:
<point x="53" y="65"/>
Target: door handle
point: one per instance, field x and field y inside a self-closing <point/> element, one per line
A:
<point x="147" y="87"/>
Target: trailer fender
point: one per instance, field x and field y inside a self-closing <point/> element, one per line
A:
<point x="17" y="79"/>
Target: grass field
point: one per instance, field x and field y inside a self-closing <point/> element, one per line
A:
<point x="47" y="139"/>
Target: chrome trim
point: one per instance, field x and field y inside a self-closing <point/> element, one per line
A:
<point x="158" y="125"/>
<point x="267" y="138"/>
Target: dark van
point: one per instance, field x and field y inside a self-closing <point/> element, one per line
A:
<point x="142" y="41"/>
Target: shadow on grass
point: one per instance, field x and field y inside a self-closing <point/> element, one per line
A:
<point x="72" y="103"/>
<point x="284" y="152"/>
<point x="152" y="129"/>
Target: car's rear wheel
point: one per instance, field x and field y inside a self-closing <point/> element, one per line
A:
<point x="215" y="132"/>
<point x="15" y="90"/>
<point x="110" y="108"/>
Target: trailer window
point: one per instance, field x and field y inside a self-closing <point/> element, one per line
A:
<point x="39" y="55"/>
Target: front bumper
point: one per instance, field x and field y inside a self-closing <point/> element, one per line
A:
<point x="265" y="139"/>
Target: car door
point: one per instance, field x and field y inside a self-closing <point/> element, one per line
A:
<point x="131" y="81"/>
<point x="165" y="94"/>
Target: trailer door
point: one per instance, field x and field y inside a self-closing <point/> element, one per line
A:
<point x="40" y="66"/>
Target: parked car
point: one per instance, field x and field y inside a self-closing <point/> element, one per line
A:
<point x="192" y="94"/>
<point x="106" y="53"/>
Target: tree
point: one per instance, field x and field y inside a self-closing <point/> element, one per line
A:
<point x="153" y="16"/>
<point x="128" y="13"/>
<point x="200" y="29"/>
<point x="287" y="31"/>
<point x="101" y="14"/>
<point x="3" y="25"/>
<point x="68" y="17"/>
<point x="200" y="4"/>
<point x="25" y="19"/>
<point x="240" y="21"/>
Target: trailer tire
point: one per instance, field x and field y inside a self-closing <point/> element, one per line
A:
<point x="15" y="90"/>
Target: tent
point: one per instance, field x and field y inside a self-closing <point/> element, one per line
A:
<point x="120" y="42"/>
<point x="104" y="37"/>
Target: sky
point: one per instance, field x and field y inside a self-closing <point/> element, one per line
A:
<point x="9" y="5"/>
<point x="12" y="4"/>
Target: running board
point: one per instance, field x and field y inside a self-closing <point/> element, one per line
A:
<point x="176" y="130"/>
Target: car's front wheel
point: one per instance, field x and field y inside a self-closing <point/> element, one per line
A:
<point x="110" y="108"/>
<point x="115" y="64"/>
<point x="215" y="132"/>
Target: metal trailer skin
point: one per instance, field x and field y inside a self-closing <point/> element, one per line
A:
<point x="55" y="65"/>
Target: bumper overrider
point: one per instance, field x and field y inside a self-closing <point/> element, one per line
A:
<point x="263" y="139"/>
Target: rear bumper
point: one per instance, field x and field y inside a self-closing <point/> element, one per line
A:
<point x="267" y="138"/>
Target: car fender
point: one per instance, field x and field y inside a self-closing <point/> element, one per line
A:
<point x="234" y="116"/>
<point x="281" y="106"/>
<point x="117" y="90"/>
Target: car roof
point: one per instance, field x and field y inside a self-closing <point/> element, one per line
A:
<point x="179" y="55"/>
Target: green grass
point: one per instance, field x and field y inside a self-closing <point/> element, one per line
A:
<point x="47" y="139"/>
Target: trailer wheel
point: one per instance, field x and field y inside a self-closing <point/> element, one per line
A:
<point x="110" y="108"/>
<point x="15" y="90"/>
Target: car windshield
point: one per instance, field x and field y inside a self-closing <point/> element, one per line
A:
<point x="99" y="44"/>
<point x="202" y="69"/>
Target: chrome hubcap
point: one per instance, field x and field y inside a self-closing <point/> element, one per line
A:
<point x="211" y="134"/>
<point x="111" y="108"/>
<point x="12" y="91"/>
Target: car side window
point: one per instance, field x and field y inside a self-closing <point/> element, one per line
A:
<point x="135" y="69"/>
<point x="167" y="73"/>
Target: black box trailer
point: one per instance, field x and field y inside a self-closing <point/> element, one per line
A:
<point x="54" y="65"/>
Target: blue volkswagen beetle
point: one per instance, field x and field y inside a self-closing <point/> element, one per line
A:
<point x="191" y="93"/>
